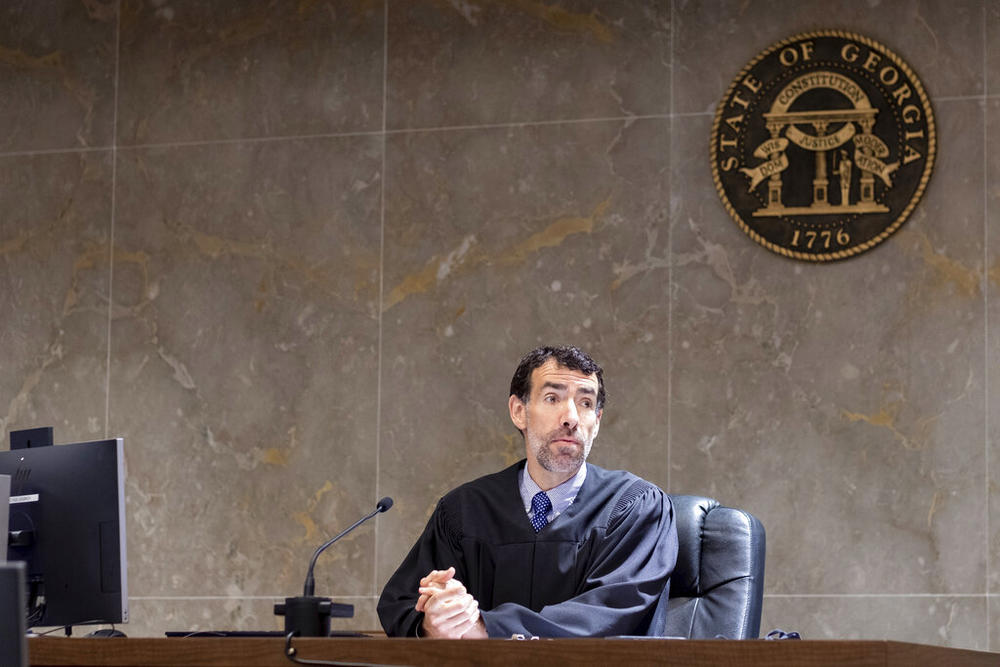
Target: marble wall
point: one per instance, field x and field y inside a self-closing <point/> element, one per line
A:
<point x="292" y="252"/>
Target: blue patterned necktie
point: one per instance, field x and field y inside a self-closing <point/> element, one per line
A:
<point x="540" y="506"/>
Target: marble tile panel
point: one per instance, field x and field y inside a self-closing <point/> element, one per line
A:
<point x="193" y="71"/>
<point x="244" y="357"/>
<point x="842" y="403"/>
<point x="714" y="40"/>
<point x="54" y="278"/>
<point x="152" y="617"/>
<point x="992" y="73"/>
<point x="57" y="65"/>
<point x="956" y="622"/>
<point x="992" y="287"/>
<point x="497" y="241"/>
<point x="479" y="62"/>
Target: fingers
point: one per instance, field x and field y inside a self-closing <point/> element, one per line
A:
<point x="454" y="606"/>
<point x="449" y="611"/>
<point x="450" y="616"/>
<point x="450" y="590"/>
<point x="452" y="587"/>
<point x="436" y="582"/>
<point x="438" y="576"/>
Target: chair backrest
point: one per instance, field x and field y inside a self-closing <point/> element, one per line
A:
<point x="717" y="587"/>
<point x="13" y="645"/>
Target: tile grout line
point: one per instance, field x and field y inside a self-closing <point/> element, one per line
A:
<point x="986" y="319"/>
<point x="671" y="115"/>
<point x="254" y="140"/>
<point x="670" y="248"/>
<point x="342" y="135"/>
<point x="111" y="232"/>
<point x="387" y="132"/>
<point x="381" y="280"/>
<point x="529" y="123"/>
<point x="56" y="151"/>
<point x="962" y="98"/>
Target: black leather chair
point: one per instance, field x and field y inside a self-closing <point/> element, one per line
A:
<point x="718" y="585"/>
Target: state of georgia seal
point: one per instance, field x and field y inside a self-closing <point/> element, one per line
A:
<point x="823" y="145"/>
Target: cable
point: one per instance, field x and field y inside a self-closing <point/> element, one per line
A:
<point x="68" y="628"/>
<point x="291" y="652"/>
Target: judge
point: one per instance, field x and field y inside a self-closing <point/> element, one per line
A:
<point x="552" y="546"/>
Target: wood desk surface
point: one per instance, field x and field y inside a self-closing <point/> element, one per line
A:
<point x="269" y="652"/>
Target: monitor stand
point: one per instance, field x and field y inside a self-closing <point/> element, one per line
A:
<point x="31" y="437"/>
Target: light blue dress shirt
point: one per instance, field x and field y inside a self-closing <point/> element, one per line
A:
<point x="561" y="496"/>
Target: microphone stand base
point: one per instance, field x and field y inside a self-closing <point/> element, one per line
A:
<point x="309" y="616"/>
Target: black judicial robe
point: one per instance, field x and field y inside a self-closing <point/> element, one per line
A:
<point x="598" y="569"/>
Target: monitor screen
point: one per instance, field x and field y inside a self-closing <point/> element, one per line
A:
<point x="67" y="524"/>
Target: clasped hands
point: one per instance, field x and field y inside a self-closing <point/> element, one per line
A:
<point x="449" y="611"/>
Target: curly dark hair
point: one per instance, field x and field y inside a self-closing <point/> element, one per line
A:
<point x="567" y="356"/>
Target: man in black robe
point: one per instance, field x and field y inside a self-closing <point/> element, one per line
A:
<point x="550" y="547"/>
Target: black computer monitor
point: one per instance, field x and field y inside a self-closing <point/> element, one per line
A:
<point x="67" y="523"/>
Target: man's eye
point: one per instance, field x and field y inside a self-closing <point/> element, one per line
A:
<point x="550" y="399"/>
<point x="587" y="404"/>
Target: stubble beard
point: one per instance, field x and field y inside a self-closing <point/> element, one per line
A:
<point x="568" y="458"/>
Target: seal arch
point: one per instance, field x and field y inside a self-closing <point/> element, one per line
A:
<point x="820" y="79"/>
<point x="780" y="121"/>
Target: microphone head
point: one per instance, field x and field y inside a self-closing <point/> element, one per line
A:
<point x="384" y="504"/>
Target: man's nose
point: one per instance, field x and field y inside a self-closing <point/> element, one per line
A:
<point x="570" y="417"/>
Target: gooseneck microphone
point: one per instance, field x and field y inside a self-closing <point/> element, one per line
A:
<point x="310" y="586"/>
<point x="308" y="615"/>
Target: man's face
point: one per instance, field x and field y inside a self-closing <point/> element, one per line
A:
<point x="559" y="421"/>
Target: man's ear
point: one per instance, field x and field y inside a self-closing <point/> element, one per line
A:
<point x="517" y="412"/>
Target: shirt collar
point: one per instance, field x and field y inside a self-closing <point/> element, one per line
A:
<point x="561" y="496"/>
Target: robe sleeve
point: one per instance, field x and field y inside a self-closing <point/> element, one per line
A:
<point x="626" y="574"/>
<point x="436" y="545"/>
